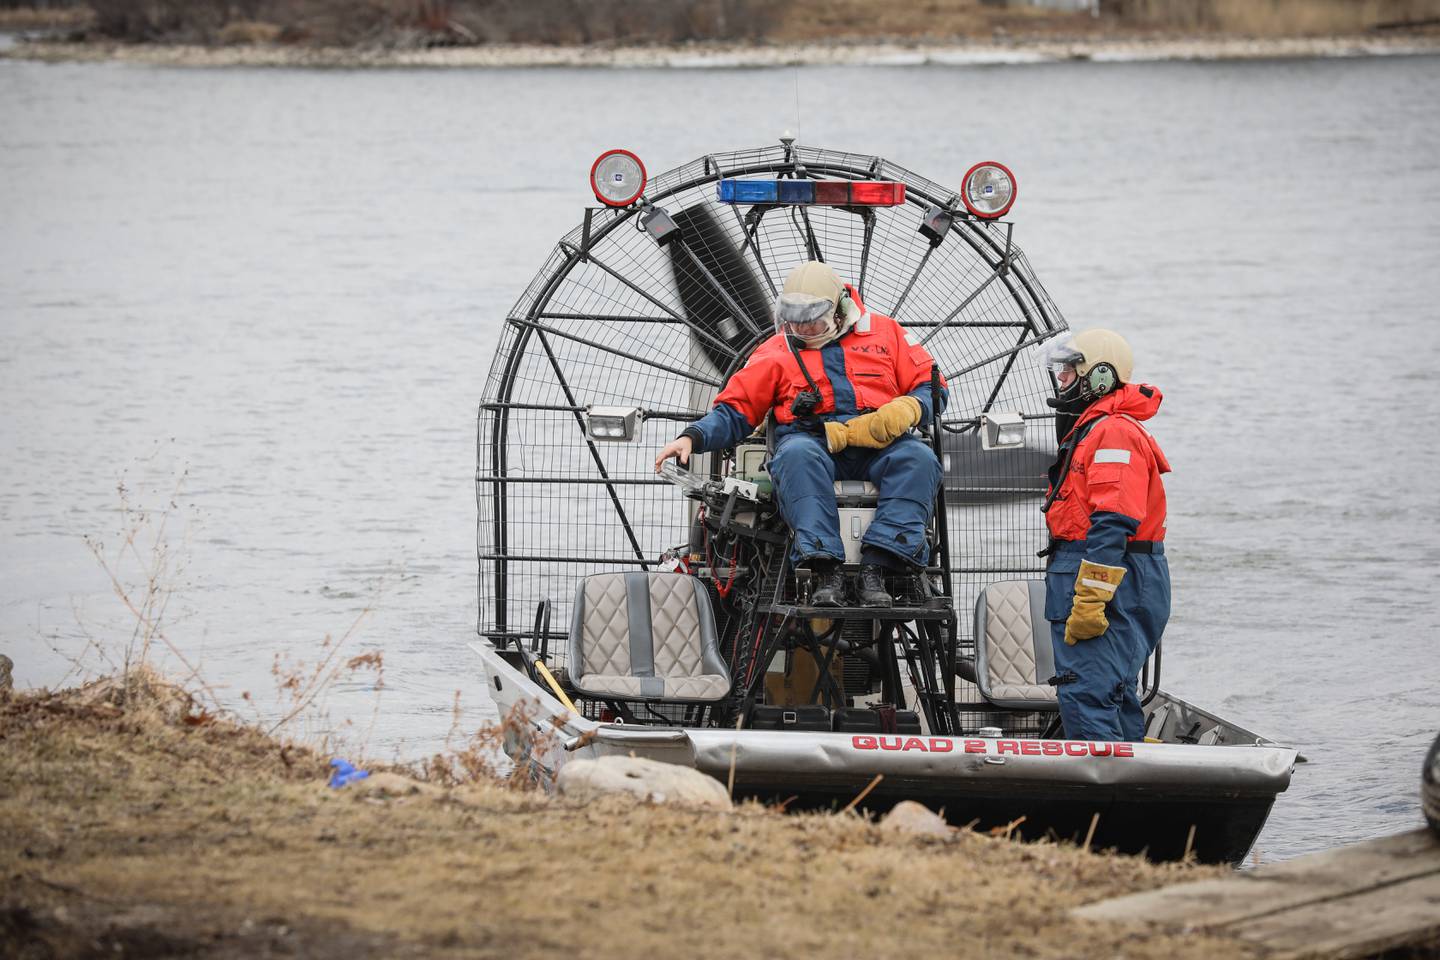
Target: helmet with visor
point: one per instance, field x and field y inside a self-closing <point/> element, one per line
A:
<point x="813" y="306"/>
<point x="1088" y="366"/>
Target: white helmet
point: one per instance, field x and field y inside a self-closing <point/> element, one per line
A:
<point x="813" y="306"/>
<point x="1088" y="365"/>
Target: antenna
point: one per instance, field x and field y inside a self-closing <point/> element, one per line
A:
<point x="797" y="101"/>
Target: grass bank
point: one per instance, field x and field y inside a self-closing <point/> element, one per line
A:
<point x="137" y="824"/>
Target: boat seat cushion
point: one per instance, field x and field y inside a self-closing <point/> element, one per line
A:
<point x="1013" y="656"/>
<point x="857" y="493"/>
<point x="645" y="636"/>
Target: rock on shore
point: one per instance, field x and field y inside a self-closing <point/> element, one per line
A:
<point x="647" y="780"/>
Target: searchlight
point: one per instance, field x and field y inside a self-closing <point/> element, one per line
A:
<point x="618" y="178"/>
<point x="988" y="190"/>
<point x="1002" y="430"/>
<point x="612" y="423"/>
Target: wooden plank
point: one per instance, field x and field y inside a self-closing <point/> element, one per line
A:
<point x="1388" y="858"/>
<point x="1357" y="926"/>
<point x="1202" y="902"/>
<point x="1317" y="878"/>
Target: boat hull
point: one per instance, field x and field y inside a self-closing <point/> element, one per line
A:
<point x="1156" y="827"/>
<point x="1160" y="799"/>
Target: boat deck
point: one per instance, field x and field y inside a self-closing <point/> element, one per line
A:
<point x="1353" y="901"/>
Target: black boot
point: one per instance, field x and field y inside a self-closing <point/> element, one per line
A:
<point x="928" y="593"/>
<point x="872" y="586"/>
<point x="919" y="590"/>
<point x="829" y="588"/>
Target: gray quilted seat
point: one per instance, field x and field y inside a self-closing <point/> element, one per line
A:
<point x="645" y="636"/>
<point x="1013" y="656"/>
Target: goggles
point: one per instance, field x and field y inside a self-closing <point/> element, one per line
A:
<point x="804" y="315"/>
<point x="1062" y="355"/>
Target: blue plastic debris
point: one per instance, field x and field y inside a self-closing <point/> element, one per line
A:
<point x="345" y="772"/>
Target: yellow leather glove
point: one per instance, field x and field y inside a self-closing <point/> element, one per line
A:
<point x="879" y="429"/>
<point x="1095" y="586"/>
<point x="837" y="438"/>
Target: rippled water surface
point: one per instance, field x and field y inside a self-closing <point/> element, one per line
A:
<point x="272" y="296"/>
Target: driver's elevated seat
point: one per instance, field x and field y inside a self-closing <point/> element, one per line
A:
<point x="645" y="636"/>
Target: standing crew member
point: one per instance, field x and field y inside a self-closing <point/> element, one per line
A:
<point x="847" y="386"/>
<point x="1107" y="586"/>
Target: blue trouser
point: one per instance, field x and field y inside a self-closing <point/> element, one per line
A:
<point x="906" y="473"/>
<point x="1101" y="703"/>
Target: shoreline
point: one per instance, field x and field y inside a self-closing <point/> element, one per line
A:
<point x="139" y="823"/>
<point x="1114" y="49"/>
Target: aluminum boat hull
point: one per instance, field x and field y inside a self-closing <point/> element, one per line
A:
<point x="1160" y="799"/>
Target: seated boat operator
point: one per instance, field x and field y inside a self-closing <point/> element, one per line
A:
<point x="1107" y="583"/>
<point x="846" y="385"/>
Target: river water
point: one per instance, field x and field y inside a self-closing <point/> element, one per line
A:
<point x="264" y="302"/>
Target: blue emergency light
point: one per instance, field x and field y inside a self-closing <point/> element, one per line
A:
<point x="749" y="191"/>
<point x="838" y="193"/>
<point x="796" y="191"/>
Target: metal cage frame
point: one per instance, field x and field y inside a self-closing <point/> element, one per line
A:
<point x="603" y="322"/>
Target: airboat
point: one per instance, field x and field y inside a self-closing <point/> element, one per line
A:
<point x="625" y="612"/>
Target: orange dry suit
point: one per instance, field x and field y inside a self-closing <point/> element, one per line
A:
<point x="871" y="364"/>
<point x="1109" y="509"/>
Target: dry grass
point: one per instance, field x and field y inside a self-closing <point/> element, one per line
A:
<point x="45" y="18"/>
<point x="1268" y="18"/>
<point x="936" y="20"/>
<point x="144" y="560"/>
<point x="136" y="820"/>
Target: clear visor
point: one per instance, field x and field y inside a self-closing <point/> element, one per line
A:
<point x="1061" y="356"/>
<point x="804" y="315"/>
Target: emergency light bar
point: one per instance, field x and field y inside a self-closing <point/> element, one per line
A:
<point x="830" y="193"/>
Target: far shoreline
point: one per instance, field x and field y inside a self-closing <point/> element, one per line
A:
<point x="728" y="55"/>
